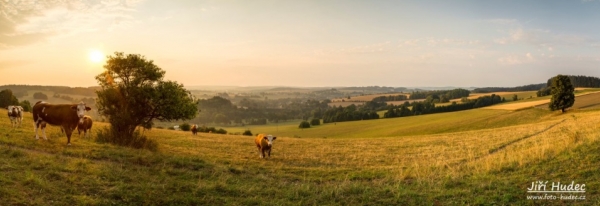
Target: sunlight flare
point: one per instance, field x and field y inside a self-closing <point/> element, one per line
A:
<point x="96" y="56"/>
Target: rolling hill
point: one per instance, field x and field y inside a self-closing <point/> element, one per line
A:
<point x="471" y="157"/>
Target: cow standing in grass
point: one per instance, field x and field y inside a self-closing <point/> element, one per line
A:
<point x="15" y="114"/>
<point x="85" y="125"/>
<point x="264" y="144"/>
<point x="194" y="129"/>
<point x="65" y="115"/>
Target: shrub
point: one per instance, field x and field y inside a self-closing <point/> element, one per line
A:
<point x="138" y="141"/>
<point x="304" y="124"/>
<point x="247" y="133"/>
<point x="315" y="122"/>
<point x="39" y="95"/>
<point x="185" y="127"/>
<point x="221" y="131"/>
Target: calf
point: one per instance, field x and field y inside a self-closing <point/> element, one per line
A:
<point x="65" y="115"/>
<point x="194" y="129"/>
<point x="15" y="114"/>
<point x="264" y="144"/>
<point x="84" y="125"/>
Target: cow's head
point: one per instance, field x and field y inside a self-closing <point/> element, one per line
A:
<point x="80" y="108"/>
<point x="11" y="109"/>
<point x="269" y="139"/>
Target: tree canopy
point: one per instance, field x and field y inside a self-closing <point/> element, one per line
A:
<point x="133" y="93"/>
<point x="563" y="95"/>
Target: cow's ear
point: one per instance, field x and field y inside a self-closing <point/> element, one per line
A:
<point x="264" y="137"/>
<point x="274" y="138"/>
<point x="74" y="107"/>
<point x="88" y="108"/>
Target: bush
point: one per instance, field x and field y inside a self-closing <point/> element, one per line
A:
<point x="315" y="122"/>
<point x="39" y="95"/>
<point x="304" y="124"/>
<point x="138" y="141"/>
<point x="221" y="131"/>
<point x="247" y="133"/>
<point x="185" y="127"/>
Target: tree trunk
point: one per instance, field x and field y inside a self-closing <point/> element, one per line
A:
<point x="563" y="110"/>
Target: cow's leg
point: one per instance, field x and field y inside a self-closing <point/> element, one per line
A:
<point x="68" y="131"/>
<point x="269" y="152"/>
<point x="44" y="132"/>
<point x="35" y="128"/>
<point x="259" y="152"/>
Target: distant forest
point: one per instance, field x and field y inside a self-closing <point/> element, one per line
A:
<point x="577" y="81"/>
<point x="22" y="90"/>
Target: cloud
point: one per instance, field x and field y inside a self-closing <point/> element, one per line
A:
<point x="502" y="21"/>
<point x="26" y="22"/>
<point x="517" y="59"/>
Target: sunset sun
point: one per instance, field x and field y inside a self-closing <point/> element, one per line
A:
<point x="96" y="56"/>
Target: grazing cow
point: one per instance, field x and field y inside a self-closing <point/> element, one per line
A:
<point x="15" y="114"/>
<point x="194" y="129"/>
<point x="264" y="144"/>
<point x="65" y="115"/>
<point x="84" y="125"/>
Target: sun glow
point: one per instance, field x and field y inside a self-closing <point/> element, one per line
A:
<point x="96" y="56"/>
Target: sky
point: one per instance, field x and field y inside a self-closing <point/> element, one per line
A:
<point x="318" y="43"/>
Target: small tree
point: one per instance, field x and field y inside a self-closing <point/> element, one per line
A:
<point x="315" y="122"/>
<point x="304" y="124"/>
<point x="7" y="98"/>
<point x="515" y="97"/>
<point x="26" y="105"/>
<point x="133" y="93"/>
<point x="563" y="95"/>
<point x="247" y="133"/>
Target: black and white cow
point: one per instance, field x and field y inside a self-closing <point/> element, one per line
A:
<point x="15" y="114"/>
<point x="65" y="115"/>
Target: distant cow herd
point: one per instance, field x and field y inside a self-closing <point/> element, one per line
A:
<point x="72" y="116"/>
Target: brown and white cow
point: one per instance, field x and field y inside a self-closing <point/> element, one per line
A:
<point x="15" y="114"/>
<point x="194" y="129"/>
<point x="264" y="144"/>
<point x="84" y="125"/>
<point x="65" y="115"/>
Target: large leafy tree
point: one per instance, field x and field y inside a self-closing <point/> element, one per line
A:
<point x="562" y="93"/>
<point x="134" y="94"/>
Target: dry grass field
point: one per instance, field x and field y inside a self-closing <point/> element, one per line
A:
<point x="463" y="158"/>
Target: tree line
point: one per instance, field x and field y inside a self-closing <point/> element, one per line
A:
<point x="349" y="113"/>
<point x="529" y="87"/>
<point x="576" y="81"/>
<point x="442" y="95"/>
<point x="427" y="107"/>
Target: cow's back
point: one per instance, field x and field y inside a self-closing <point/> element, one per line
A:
<point x="55" y="114"/>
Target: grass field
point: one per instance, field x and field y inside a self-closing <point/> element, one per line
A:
<point x="473" y="157"/>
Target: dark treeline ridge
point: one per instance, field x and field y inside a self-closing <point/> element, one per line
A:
<point x="577" y="81"/>
<point x="530" y="87"/>
<point x="427" y="107"/>
<point x="390" y="98"/>
<point x="581" y="81"/>
<point x="353" y="113"/>
<point x="441" y="94"/>
<point x="22" y="90"/>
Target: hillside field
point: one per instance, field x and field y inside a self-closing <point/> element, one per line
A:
<point x="471" y="157"/>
